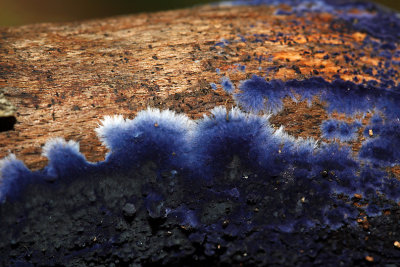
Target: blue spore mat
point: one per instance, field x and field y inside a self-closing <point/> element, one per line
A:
<point x="227" y="189"/>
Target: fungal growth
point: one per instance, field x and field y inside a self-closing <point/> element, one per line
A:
<point x="332" y="129"/>
<point x="257" y="94"/>
<point x="245" y="176"/>
<point x="230" y="188"/>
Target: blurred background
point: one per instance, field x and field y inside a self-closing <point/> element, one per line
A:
<point x="19" y="12"/>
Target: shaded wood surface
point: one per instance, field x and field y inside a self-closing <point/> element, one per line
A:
<point x="64" y="78"/>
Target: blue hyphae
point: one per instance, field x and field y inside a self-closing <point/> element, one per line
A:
<point x="225" y="144"/>
<point x="383" y="141"/>
<point x="229" y="187"/>
<point x="226" y="136"/>
<point x="340" y="130"/>
<point x="257" y="94"/>
<point x="227" y="85"/>
<point x="218" y="179"/>
<point x="65" y="160"/>
<point x="14" y="177"/>
<point x="160" y="136"/>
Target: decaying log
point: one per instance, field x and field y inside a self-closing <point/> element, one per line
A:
<point x="63" y="78"/>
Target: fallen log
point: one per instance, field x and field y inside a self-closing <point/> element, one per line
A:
<point x="250" y="135"/>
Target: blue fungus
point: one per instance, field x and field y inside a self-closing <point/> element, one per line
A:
<point x="257" y="94"/>
<point x="382" y="146"/>
<point x="14" y="177"/>
<point x="386" y="54"/>
<point x="233" y="137"/>
<point x="65" y="160"/>
<point x="388" y="46"/>
<point x="160" y="136"/>
<point x="391" y="189"/>
<point x="337" y="164"/>
<point x="300" y="7"/>
<point x="383" y="25"/>
<point x="227" y="85"/>
<point x="371" y="181"/>
<point x="241" y="67"/>
<point x="218" y="179"/>
<point x="230" y="179"/>
<point x="213" y="86"/>
<point x="329" y="129"/>
<point x="283" y="12"/>
<point x="344" y="132"/>
<point x="256" y="91"/>
<point x="375" y="126"/>
<point x="242" y="38"/>
<point x="373" y="210"/>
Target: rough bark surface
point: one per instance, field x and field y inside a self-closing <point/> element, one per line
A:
<point x="64" y="78"/>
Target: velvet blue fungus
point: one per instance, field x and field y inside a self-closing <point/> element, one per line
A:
<point x="257" y="94"/>
<point x="15" y="177"/>
<point x="65" y="160"/>
<point x="227" y="85"/>
<point x="155" y="135"/>
<point x="381" y="146"/>
<point x="229" y="185"/>
<point x="376" y="124"/>
<point x="301" y="7"/>
<point x="231" y="144"/>
<point x="382" y="25"/>
<point x="340" y="130"/>
<point x="329" y="129"/>
<point x="218" y="178"/>
<point x="234" y="137"/>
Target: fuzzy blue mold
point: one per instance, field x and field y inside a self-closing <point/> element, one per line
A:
<point x="15" y="177"/>
<point x="225" y="145"/>
<point x="299" y="7"/>
<point x="222" y="136"/>
<point x="160" y="136"/>
<point x="227" y="85"/>
<point x="333" y="129"/>
<point x="65" y="160"/>
<point x="257" y="94"/>
<point x="229" y="177"/>
<point x="382" y="25"/>
<point x="256" y="91"/>
<point x="382" y="145"/>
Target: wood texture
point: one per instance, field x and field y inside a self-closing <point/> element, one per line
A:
<point x="63" y="78"/>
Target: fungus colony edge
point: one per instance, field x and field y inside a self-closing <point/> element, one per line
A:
<point x="225" y="189"/>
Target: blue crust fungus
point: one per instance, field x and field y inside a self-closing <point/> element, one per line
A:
<point x="231" y="187"/>
<point x="221" y="177"/>
<point x="333" y="129"/>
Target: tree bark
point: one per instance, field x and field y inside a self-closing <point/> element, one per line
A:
<point x="63" y="78"/>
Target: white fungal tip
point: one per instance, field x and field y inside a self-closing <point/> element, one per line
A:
<point x="59" y="143"/>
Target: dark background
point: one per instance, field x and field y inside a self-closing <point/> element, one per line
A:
<point x="19" y="12"/>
